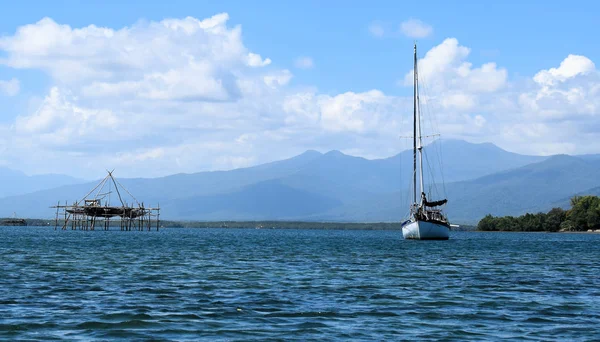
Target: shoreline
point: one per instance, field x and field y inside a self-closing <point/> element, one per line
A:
<point x="266" y="224"/>
<point x="316" y="226"/>
<point x="272" y="224"/>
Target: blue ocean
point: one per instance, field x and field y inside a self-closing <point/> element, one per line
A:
<point x="276" y="284"/>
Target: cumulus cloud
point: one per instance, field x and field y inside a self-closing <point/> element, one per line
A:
<point x="553" y="112"/>
<point x="458" y="100"/>
<point x="445" y="67"/>
<point x="10" y="87"/>
<point x="184" y="95"/>
<point x="195" y="81"/>
<point x="254" y="60"/>
<point x="171" y="59"/>
<point x="415" y="28"/>
<point x="570" y="67"/>
<point x="59" y="121"/>
<point x="278" y="79"/>
<point x="354" y="112"/>
<point x="569" y="92"/>
<point x="557" y="112"/>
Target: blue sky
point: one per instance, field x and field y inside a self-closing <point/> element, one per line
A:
<point x="350" y="87"/>
<point x="523" y="36"/>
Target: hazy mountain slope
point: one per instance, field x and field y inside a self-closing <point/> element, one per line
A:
<point x="341" y="176"/>
<point x="535" y="187"/>
<point x="337" y="187"/>
<point x="565" y="202"/>
<point x="264" y="200"/>
<point x="460" y="160"/>
<point x="589" y="157"/>
<point x="530" y="188"/>
<point x="205" y="183"/>
<point x="16" y="182"/>
<point x="153" y="191"/>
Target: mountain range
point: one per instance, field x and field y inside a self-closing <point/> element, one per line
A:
<point x="15" y="182"/>
<point x="478" y="179"/>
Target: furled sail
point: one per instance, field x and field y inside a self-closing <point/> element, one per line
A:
<point x="432" y="203"/>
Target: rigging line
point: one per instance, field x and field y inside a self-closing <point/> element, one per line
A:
<point x="432" y="185"/>
<point x="100" y="189"/>
<point x="408" y="189"/>
<point x="442" y="163"/>
<point x="426" y="157"/>
<point x="84" y="197"/>
<point x="435" y="126"/>
<point x="407" y="181"/>
<point x="401" y="188"/>
<point x="109" y="191"/>
<point x="430" y="101"/>
<point x="124" y="188"/>
<point x="437" y="148"/>
<point x="116" y="187"/>
<point x="433" y="190"/>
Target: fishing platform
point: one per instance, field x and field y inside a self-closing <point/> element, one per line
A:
<point x="97" y="212"/>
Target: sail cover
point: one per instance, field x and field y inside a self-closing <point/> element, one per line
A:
<point x="434" y="203"/>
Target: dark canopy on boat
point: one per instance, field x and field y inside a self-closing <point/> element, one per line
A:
<point x="432" y="203"/>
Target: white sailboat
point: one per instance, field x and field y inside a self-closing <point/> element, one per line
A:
<point x="427" y="220"/>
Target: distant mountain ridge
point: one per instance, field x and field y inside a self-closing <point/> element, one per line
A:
<point x="15" y="182"/>
<point x="531" y="188"/>
<point x="332" y="186"/>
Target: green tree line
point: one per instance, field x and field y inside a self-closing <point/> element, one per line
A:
<point x="583" y="215"/>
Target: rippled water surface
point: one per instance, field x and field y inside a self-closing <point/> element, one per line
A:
<point x="269" y="284"/>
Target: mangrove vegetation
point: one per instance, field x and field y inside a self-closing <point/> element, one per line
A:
<point x="584" y="215"/>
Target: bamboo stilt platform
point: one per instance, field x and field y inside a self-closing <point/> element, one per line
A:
<point x="97" y="212"/>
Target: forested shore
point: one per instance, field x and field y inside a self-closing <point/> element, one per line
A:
<point x="583" y="216"/>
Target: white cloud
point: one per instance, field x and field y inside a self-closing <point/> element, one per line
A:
<point x="569" y="92"/>
<point x="570" y="67"/>
<point x="304" y="62"/>
<point x="445" y="67"/>
<point x="479" y="120"/>
<point x="459" y="101"/>
<point x="59" y="121"/>
<point x="171" y="59"/>
<point x="415" y="28"/>
<point x="347" y="112"/>
<point x="557" y="105"/>
<point x="195" y="81"/>
<point x="184" y="95"/>
<point x="254" y="60"/>
<point x="351" y="111"/>
<point x="280" y="78"/>
<point x="10" y="87"/>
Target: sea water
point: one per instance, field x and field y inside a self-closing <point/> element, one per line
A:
<point x="271" y="284"/>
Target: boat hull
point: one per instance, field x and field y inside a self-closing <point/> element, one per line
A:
<point x="422" y="230"/>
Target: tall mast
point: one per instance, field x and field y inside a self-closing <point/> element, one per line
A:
<point x="420" y="146"/>
<point x="415" y="128"/>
